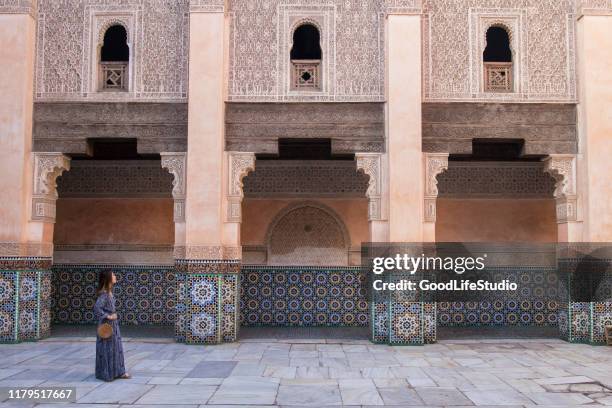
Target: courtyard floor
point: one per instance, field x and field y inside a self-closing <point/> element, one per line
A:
<point x="260" y="371"/>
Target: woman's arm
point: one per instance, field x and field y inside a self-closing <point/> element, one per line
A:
<point x="100" y="308"/>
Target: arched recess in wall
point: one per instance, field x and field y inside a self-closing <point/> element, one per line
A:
<point x="114" y="56"/>
<point x="305" y="56"/>
<point x="498" y="59"/>
<point x="307" y="233"/>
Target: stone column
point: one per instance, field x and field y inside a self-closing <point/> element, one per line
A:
<point x="404" y="127"/>
<point x="404" y="319"/>
<point x="27" y="202"/>
<point x="594" y="162"/>
<point x="207" y="268"/>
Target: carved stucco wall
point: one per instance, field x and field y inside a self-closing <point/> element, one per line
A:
<point x="544" y="44"/>
<point x="69" y="32"/>
<point x="542" y="34"/>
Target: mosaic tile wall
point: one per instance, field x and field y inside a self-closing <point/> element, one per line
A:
<point x="586" y="306"/>
<point x="535" y="304"/>
<point x="403" y="318"/>
<point x="25" y="300"/>
<point x="146" y="295"/>
<point x="209" y="306"/>
<point x="207" y="302"/>
<point x="303" y="296"/>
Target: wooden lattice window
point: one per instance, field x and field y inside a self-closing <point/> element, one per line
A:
<point x="306" y="58"/>
<point x="497" y="60"/>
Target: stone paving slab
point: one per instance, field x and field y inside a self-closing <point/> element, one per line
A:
<point x="292" y="373"/>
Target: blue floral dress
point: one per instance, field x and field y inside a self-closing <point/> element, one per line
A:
<point x="109" y="352"/>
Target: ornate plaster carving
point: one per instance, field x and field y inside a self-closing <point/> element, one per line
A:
<point x="206" y="6"/>
<point x="513" y="21"/>
<point x="371" y="165"/>
<point x="67" y="40"/>
<point x="240" y="164"/>
<point x="176" y="164"/>
<point x="495" y="179"/>
<point x="403" y="6"/>
<point x="352" y="39"/>
<point x="101" y="18"/>
<point x="208" y="252"/>
<point x="291" y="16"/>
<point x="435" y="163"/>
<point x="47" y="168"/>
<point x="18" y="7"/>
<point x="452" y="37"/>
<point x="594" y="7"/>
<point x="562" y="167"/>
<point x="121" y="178"/>
<point x="305" y="178"/>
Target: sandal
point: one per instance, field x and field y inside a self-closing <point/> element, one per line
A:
<point x="125" y="376"/>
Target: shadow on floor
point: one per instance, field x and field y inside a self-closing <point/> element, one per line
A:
<point x="483" y="333"/>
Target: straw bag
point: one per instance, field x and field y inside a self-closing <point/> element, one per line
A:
<point x="105" y="330"/>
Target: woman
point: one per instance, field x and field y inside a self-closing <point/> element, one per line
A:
<point x="109" y="352"/>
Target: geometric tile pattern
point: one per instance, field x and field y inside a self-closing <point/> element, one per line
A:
<point x="536" y="302"/>
<point x="25" y="300"/>
<point x="403" y="317"/>
<point x="303" y="296"/>
<point x="146" y="295"/>
<point x="207" y="308"/>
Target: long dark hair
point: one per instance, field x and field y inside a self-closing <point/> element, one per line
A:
<point x="105" y="282"/>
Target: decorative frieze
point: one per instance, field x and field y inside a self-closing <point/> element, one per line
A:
<point x="310" y="178"/>
<point x="18" y="7"/>
<point x="495" y="180"/>
<point x="47" y="167"/>
<point x="435" y="164"/>
<point x="563" y="169"/>
<point x="208" y="252"/>
<point x="206" y="6"/>
<point x="594" y="7"/>
<point x="370" y="164"/>
<point x="176" y="164"/>
<point x="403" y="6"/>
<point x="256" y="127"/>
<point x="123" y="178"/>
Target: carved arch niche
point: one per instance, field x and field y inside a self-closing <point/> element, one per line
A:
<point x="99" y="20"/>
<point x="513" y="22"/>
<point x="307" y="234"/>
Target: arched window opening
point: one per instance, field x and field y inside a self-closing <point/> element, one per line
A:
<point x="115" y="59"/>
<point x="497" y="59"/>
<point x="306" y="58"/>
